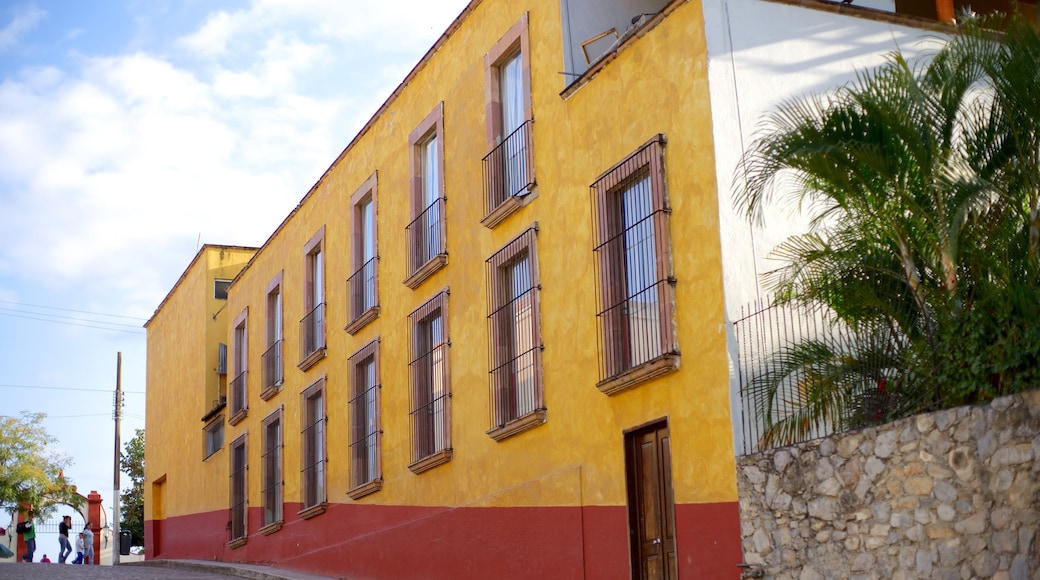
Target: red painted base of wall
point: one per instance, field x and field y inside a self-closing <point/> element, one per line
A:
<point x="360" y="541"/>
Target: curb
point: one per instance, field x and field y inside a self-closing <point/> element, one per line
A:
<point x="255" y="572"/>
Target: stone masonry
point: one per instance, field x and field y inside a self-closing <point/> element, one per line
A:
<point x="953" y="494"/>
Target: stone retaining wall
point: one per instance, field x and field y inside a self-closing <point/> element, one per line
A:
<point x="953" y="494"/>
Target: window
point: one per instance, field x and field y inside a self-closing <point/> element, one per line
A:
<point x="214" y="436"/>
<point x="312" y="327"/>
<point x="240" y="360"/>
<point x="272" y="357"/>
<point x="271" y="494"/>
<point x="426" y="232"/>
<point x="365" y="474"/>
<point x="363" y="284"/>
<point x="509" y="165"/>
<point x="239" y="499"/>
<point x="431" y="394"/>
<point x="313" y="461"/>
<point x="220" y="288"/>
<point x="515" y="338"/>
<point x="636" y="326"/>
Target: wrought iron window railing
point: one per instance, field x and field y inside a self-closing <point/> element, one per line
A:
<point x="361" y="289"/>
<point x="507" y="168"/>
<point x="312" y="331"/>
<point x="272" y="365"/>
<point x="430" y="414"/>
<point x="424" y="234"/>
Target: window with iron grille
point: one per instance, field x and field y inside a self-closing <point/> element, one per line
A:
<point x="240" y="360"/>
<point x="271" y="494"/>
<point x="312" y="327"/>
<point x="514" y="335"/>
<point x="312" y="437"/>
<point x="214" y="436"/>
<point x="239" y="469"/>
<point x="636" y="287"/>
<point x="509" y="164"/>
<point x="430" y="385"/>
<point x="363" y="284"/>
<point x="272" y="357"/>
<point x="365" y="432"/>
<point x="426" y="232"/>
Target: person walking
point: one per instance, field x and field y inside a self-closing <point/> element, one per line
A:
<point x="29" y="535"/>
<point x="80" y="548"/>
<point x="63" y="539"/>
<point x="88" y="549"/>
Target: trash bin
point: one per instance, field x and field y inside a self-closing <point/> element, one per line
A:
<point x="124" y="543"/>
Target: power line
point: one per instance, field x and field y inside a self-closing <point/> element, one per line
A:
<point x="74" y="324"/>
<point x="62" y="316"/>
<point x="68" y="389"/>
<point x="71" y="310"/>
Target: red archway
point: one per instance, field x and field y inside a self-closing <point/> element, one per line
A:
<point x="92" y="513"/>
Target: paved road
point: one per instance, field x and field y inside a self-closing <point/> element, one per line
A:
<point x="125" y="572"/>
<point x="153" y="569"/>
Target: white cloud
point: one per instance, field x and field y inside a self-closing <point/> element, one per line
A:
<point x="111" y="173"/>
<point x="24" y="19"/>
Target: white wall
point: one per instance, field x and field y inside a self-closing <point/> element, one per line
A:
<point x="761" y="53"/>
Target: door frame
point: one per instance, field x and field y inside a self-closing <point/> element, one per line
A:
<point x="632" y="504"/>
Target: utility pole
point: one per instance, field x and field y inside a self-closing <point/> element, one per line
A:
<point x="114" y="542"/>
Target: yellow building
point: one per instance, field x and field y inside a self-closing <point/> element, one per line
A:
<point x="488" y="343"/>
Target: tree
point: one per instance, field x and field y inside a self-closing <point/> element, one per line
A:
<point x="131" y="500"/>
<point x="31" y="474"/>
<point x="922" y="181"/>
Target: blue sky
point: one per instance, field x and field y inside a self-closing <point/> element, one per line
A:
<point x="131" y="132"/>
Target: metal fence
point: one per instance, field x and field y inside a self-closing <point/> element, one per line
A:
<point x="796" y="357"/>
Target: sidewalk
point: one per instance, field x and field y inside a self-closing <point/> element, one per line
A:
<point x="254" y="571"/>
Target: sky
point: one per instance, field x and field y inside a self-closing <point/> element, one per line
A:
<point x="132" y="132"/>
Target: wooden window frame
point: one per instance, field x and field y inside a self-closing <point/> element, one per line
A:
<point x="361" y="487"/>
<point x="516" y="39"/>
<point x="239" y="357"/>
<point x="501" y="338"/>
<point x="314" y="247"/>
<point x="436" y="306"/>
<point x="321" y="500"/>
<point x="432" y="125"/>
<point x="275" y="342"/>
<point x="616" y="374"/>
<point x="278" y="486"/>
<point x="367" y="192"/>
<point x="243" y="442"/>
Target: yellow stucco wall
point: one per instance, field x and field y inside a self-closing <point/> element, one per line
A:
<point x="181" y="383"/>
<point x="657" y="85"/>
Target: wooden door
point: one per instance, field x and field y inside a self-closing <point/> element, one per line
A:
<point x="651" y="520"/>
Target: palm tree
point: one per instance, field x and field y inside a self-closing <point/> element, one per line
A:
<point x="919" y="181"/>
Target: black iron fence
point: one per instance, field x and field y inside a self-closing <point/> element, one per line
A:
<point x="804" y="374"/>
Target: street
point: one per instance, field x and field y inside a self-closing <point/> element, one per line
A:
<point x="39" y="571"/>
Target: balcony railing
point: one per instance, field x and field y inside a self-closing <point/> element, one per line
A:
<point x="272" y="365"/>
<point x="424" y="234"/>
<point x="507" y="169"/>
<point x="238" y="393"/>
<point x="431" y="415"/>
<point x="312" y="331"/>
<point x="361" y="289"/>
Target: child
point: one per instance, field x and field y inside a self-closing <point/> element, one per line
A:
<point x="81" y="546"/>
<point x="45" y="560"/>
